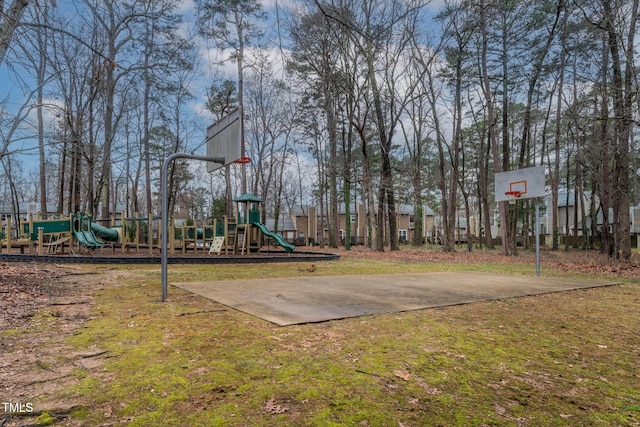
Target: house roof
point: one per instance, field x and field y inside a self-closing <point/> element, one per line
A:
<point x="567" y="198"/>
<point x="284" y="224"/>
<point x="407" y="209"/>
<point x="404" y="209"/>
<point x="26" y="207"/>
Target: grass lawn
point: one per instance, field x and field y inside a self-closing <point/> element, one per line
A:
<point x="564" y="359"/>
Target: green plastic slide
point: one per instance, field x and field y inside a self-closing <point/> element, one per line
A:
<point x="87" y="238"/>
<point x="82" y="231"/>
<point x="278" y="238"/>
<point x="104" y="233"/>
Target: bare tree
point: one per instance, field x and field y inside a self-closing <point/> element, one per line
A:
<point x="9" y="20"/>
<point x="382" y="31"/>
<point x="229" y="24"/>
<point x="316" y="44"/>
<point x="498" y="159"/>
<point x="623" y="92"/>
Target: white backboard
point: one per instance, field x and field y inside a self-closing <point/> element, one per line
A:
<point x="223" y="139"/>
<point x="530" y="182"/>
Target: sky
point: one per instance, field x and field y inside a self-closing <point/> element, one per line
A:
<point x="13" y="95"/>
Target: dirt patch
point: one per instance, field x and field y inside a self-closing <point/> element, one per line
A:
<point x="40" y="306"/>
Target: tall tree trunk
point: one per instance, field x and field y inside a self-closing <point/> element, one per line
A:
<point x="621" y="92"/>
<point x="10" y="21"/>
<point x="371" y="237"/>
<point x="488" y="96"/>
<point x="454" y="154"/>
<point x="604" y="145"/>
<point x="146" y="122"/>
<point x="76" y="163"/>
<point x="62" y="175"/>
<point x="506" y="144"/>
<point x="321" y="219"/>
<point x="416" y="170"/>
<point x="483" y="182"/>
<point x="42" y="66"/>
<point x="15" y="199"/>
<point x="329" y="107"/>
<point x="93" y="192"/>
<point x="346" y="177"/>
<point x="555" y="179"/>
<point x="386" y="198"/>
<point x="109" y="128"/>
<point x="440" y="232"/>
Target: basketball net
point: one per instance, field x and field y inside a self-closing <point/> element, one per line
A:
<point x="513" y="196"/>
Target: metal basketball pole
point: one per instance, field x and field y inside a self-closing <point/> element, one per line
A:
<point x="165" y="208"/>
<point x="537" y="236"/>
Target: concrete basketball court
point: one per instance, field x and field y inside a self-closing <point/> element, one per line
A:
<point x="294" y="300"/>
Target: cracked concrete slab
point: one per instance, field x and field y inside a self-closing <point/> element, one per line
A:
<point x="294" y="300"/>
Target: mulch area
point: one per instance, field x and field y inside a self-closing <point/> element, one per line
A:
<point x="24" y="289"/>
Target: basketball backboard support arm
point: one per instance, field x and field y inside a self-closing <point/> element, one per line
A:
<point x="223" y="148"/>
<point x="165" y="208"/>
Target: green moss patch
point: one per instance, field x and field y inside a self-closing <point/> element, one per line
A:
<point x="561" y="359"/>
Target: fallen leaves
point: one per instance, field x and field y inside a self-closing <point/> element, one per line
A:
<point x="572" y="260"/>
<point x="400" y="374"/>
<point x="271" y="407"/>
<point x="431" y="391"/>
<point x="310" y="269"/>
<point x="23" y="292"/>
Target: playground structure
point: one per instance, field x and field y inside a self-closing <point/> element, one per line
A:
<point x="239" y="235"/>
<point x="246" y="236"/>
<point x="54" y="235"/>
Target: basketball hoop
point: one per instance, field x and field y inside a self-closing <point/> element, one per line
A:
<point x="242" y="160"/>
<point x="513" y="196"/>
<point x="223" y="139"/>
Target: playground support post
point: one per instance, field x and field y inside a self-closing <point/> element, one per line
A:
<point x="165" y="208"/>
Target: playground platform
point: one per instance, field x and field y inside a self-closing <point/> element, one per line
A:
<point x="294" y="300"/>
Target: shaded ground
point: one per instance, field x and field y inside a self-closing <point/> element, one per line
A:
<point x="579" y="261"/>
<point x="41" y="305"/>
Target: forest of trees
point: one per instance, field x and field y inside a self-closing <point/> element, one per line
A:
<point x="374" y="102"/>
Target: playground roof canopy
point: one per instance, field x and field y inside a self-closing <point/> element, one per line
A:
<point x="247" y="197"/>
